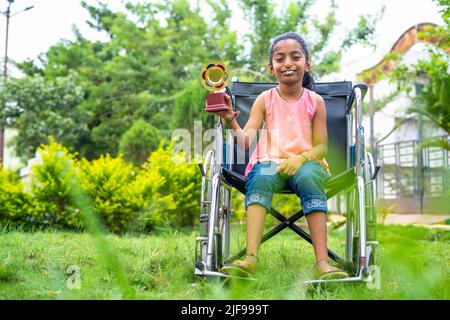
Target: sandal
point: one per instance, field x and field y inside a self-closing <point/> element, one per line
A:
<point x="243" y="268"/>
<point x="328" y="272"/>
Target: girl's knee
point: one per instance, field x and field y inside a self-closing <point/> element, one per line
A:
<point x="309" y="181"/>
<point x="259" y="198"/>
<point x="257" y="207"/>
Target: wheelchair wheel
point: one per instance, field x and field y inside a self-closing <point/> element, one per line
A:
<point x="221" y="228"/>
<point x="353" y="234"/>
<point x="214" y="219"/>
<point x="371" y="212"/>
<point x="362" y="198"/>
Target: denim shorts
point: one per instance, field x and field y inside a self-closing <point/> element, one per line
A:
<point x="308" y="183"/>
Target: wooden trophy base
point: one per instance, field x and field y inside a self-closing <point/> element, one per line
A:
<point x="216" y="102"/>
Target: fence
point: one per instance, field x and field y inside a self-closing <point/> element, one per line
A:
<point x="414" y="180"/>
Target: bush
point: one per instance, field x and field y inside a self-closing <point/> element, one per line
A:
<point x="172" y="188"/>
<point x="51" y="187"/>
<point x="110" y="184"/>
<point x="16" y="205"/>
<point x="137" y="143"/>
<point x="125" y="197"/>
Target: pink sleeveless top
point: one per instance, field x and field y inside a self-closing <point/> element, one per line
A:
<point x="287" y="130"/>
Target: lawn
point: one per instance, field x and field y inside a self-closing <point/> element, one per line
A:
<point x="39" y="265"/>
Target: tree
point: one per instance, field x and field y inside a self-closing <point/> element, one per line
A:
<point x="141" y="70"/>
<point x="137" y="143"/>
<point x="149" y="67"/>
<point x="433" y="100"/>
<point x="41" y="108"/>
<point x="266" y="23"/>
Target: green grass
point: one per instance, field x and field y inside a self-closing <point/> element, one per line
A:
<point x="414" y="265"/>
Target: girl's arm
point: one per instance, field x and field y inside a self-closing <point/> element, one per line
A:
<point x="245" y="136"/>
<point x="320" y="135"/>
<point x="290" y="166"/>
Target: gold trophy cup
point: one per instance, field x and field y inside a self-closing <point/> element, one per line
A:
<point x="215" y="77"/>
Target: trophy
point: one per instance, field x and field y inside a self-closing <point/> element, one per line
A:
<point x="215" y="77"/>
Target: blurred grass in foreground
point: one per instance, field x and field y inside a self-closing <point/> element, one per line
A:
<point x="414" y="265"/>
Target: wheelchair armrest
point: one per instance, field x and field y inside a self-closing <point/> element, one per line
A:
<point x="340" y="182"/>
<point x="202" y="171"/>
<point x="377" y="168"/>
<point x="363" y="87"/>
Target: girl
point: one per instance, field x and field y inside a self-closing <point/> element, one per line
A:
<point x="291" y="151"/>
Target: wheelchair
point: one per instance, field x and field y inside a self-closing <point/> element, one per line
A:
<point x="353" y="176"/>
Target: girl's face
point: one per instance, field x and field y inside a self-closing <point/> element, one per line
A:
<point x="289" y="62"/>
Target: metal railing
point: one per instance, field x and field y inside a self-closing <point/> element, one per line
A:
<point x="407" y="173"/>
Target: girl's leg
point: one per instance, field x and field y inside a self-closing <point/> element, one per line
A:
<point x="255" y="228"/>
<point x="262" y="182"/>
<point x="308" y="183"/>
<point x="318" y="228"/>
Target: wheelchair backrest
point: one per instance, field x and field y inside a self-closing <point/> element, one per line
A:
<point x="336" y="95"/>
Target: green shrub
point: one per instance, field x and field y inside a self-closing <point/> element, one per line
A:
<point x="171" y="187"/>
<point x="109" y="182"/>
<point x="51" y="188"/>
<point x="16" y="206"/>
<point x="163" y="191"/>
<point x="137" y="143"/>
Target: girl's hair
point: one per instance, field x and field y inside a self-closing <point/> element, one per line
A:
<point x="308" y="81"/>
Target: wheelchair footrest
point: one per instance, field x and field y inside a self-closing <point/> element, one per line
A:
<point x="349" y="279"/>
<point x="362" y="277"/>
<point x="215" y="274"/>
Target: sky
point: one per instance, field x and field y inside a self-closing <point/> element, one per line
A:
<point x="33" y="32"/>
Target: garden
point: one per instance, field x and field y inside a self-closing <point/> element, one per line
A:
<point x="109" y="207"/>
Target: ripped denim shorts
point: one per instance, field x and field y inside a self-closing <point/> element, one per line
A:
<point x="308" y="183"/>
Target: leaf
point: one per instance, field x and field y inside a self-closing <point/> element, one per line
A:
<point x="53" y="293"/>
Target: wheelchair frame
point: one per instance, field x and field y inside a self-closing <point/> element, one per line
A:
<point x="212" y="248"/>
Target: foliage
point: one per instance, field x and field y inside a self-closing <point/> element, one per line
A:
<point x="266" y="23"/>
<point x="51" y="187"/>
<point x="189" y="107"/>
<point x="87" y="93"/>
<point x="164" y="191"/>
<point x="16" y="205"/>
<point x="140" y="70"/>
<point x="109" y="183"/>
<point x="137" y="143"/>
<point x="172" y="187"/>
<point x="40" y="108"/>
<point x="433" y="100"/>
<point x="364" y="31"/>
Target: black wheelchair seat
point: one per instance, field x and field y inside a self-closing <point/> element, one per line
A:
<point x="334" y="184"/>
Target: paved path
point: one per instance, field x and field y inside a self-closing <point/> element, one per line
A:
<point x="420" y="220"/>
<point x="416" y="218"/>
<point x="423" y="220"/>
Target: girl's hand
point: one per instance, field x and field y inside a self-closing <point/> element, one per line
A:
<point x="289" y="167"/>
<point x="229" y="114"/>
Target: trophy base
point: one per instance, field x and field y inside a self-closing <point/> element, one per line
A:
<point x="216" y="102"/>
